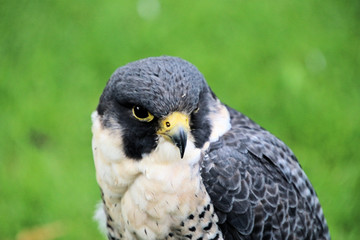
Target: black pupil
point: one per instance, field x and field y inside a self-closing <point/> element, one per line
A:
<point x="141" y="112"/>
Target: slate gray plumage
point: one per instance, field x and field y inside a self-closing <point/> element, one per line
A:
<point x="248" y="184"/>
<point x="258" y="188"/>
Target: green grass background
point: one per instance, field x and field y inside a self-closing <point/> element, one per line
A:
<point x="292" y="66"/>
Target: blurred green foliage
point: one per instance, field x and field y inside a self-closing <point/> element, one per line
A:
<point x="292" y="66"/>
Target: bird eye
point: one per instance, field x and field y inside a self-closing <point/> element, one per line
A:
<point x="142" y="114"/>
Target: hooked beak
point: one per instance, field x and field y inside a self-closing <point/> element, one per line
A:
<point x="174" y="128"/>
<point x="179" y="139"/>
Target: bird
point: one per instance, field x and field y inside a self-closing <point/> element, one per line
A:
<point x="174" y="162"/>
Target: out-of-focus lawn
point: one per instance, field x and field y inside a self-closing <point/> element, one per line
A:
<point x="292" y="66"/>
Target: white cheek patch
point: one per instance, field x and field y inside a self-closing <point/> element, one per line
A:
<point x="220" y="121"/>
<point x="107" y="141"/>
<point x="114" y="171"/>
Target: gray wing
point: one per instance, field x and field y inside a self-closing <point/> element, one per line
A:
<point x="258" y="188"/>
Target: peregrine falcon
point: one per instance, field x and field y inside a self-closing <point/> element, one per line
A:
<point x="173" y="162"/>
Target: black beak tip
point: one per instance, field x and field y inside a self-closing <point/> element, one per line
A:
<point x="182" y="151"/>
<point x="180" y="140"/>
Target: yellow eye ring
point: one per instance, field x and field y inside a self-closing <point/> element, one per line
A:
<point x="142" y="114"/>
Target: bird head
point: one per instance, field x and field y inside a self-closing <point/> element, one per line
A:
<point x="158" y="99"/>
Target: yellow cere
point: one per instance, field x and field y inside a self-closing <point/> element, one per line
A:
<point x="174" y="120"/>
